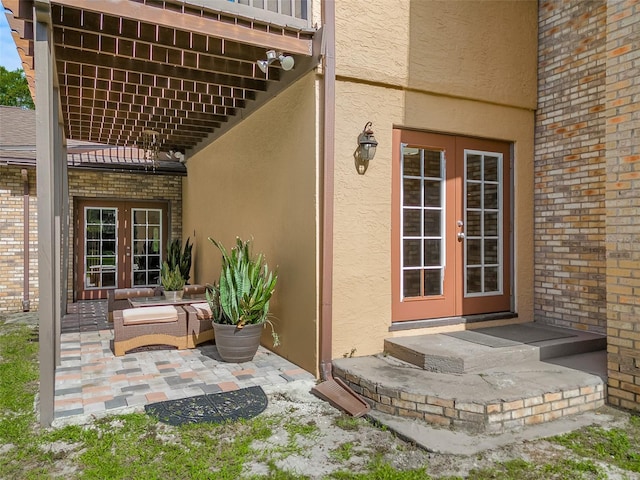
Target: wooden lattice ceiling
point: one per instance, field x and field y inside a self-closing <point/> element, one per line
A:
<point x="169" y="66"/>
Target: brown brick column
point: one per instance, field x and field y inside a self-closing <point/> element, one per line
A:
<point x="570" y="165"/>
<point x="623" y="202"/>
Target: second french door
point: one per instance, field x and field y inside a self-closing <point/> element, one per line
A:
<point x="451" y="226"/>
<point x="118" y="244"/>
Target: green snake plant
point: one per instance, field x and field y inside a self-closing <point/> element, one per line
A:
<point x="177" y="257"/>
<point x="241" y="296"/>
<point x="172" y="279"/>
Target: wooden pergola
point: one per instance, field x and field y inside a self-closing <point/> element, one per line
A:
<point x="106" y="71"/>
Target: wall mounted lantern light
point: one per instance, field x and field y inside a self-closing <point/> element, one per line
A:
<point x="367" y="143"/>
<point x="286" y="61"/>
<point x="366" y="150"/>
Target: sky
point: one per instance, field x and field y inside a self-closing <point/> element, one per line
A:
<point x="9" y="58"/>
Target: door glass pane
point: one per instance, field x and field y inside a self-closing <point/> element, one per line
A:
<point x="146" y="230"/>
<point x="422" y="232"/>
<point x="411" y="187"/>
<point x="432" y="223"/>
<point x="483" y="211"/>
<point x="100" y="247"/>
<point x="491" y="168"/>
<point x="412" y="253"/>
<point x="411" y="222"/>
<point x="432" y="253"/>
<point x="433" y="282"/>
<point x="474" y="225"/>
<point x="411" y="283"/>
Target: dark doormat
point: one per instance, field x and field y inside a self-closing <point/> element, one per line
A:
<point x="214" y="408"/>
<point x="510" y="335"/>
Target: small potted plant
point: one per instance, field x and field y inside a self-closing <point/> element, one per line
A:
<point x="172" y="282"/>
<point x="239" y="302"/>
<point x="177" y="257"/>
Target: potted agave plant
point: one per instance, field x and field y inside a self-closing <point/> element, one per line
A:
<point x="172" y="281"/>
<point x="239" y="302"/>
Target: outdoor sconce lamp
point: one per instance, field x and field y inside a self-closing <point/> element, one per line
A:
<point x="286" y="61"/>
<point x="366" y="150"/>
<point x="367" y="143"/>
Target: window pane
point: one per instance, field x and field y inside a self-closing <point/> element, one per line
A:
<point x="491" y="279"/>
<point x="109" y="247"/>
<point x="411" y="164"/>
<point x="109" y="217"/>
<point x="474" y="252"/>
<point x="109" y="232"/>
<point x="474" y="167"/>
<point x="474" y="280"/>
<point x="139" y="278"/>
<point x="412" y="253"/>
<point x="108" y="279"/>
<point x="491" y="251"/>
<point x="473" y="195"/>
<point x="432" y="253"/>
<point x="433" y="282"/>
<point x="154" y="217"/>
<point x="93" y="215"/>
<point x="491" y="169"/>
<point x="432" y="166"/>
<point x="139" y="217"/>
<point x="491" y="224"/>
<point x="154" y="277"/>
<point x="432" y="224"/>
<point x="474" y="225"/>
<point x="491" y="195"/>
<point x="411" y="222"/>
<point x="411" y="281"/>
<point x="411" y="192"/>
<point x="432" y="193"/>
<point x="154" y="261"/>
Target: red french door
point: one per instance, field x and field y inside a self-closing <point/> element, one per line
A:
<point x="118" y="244"/>
<point x="450" y="226"/>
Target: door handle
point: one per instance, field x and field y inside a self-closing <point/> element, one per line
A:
<point x="460" y="236"/>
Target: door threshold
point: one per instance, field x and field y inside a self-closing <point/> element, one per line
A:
<point x="448" y="321"/>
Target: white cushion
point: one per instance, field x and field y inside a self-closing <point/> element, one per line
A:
<point x="203" y="310"/>
<point x="162" y="314"/>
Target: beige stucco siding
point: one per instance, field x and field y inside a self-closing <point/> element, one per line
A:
<point x="259" y="180"/>
<point x="479" y="81"/>
<point x="474" y="49"/>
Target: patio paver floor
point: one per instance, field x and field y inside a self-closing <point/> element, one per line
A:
<point x="92" y="381"/>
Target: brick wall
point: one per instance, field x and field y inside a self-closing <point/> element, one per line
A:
<point x="570" y="166"/>
<point x="623" y="202"/>
<point x="85" y="184"/>
<point x="12" y="239"/>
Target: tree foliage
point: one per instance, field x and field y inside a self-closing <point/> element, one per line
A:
<point x="14" y="89"/>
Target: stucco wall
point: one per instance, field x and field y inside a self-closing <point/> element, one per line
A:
<point x="465" y="68"/>
<point x="259" y="180"/>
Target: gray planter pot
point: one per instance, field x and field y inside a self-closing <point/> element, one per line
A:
<point x="237" y="345"/>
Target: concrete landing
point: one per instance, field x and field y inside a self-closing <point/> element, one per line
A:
<point x="475" y="350"/>
<point x="493" y="399"/>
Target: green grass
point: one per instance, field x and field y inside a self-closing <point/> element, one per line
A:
<point x="563" y="469"/>
<point x="136" y="446"/>
<point x="620" y="447"/>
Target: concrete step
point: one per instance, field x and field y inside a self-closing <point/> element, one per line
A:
<point x="493" y="400"/>
<point x="473" y="350"/>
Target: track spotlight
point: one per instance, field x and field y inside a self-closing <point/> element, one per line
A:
<point x="286" y="61"/>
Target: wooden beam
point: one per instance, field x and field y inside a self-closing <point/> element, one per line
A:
<point x="45" y="175"/>
<point x="193" y="23"/>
